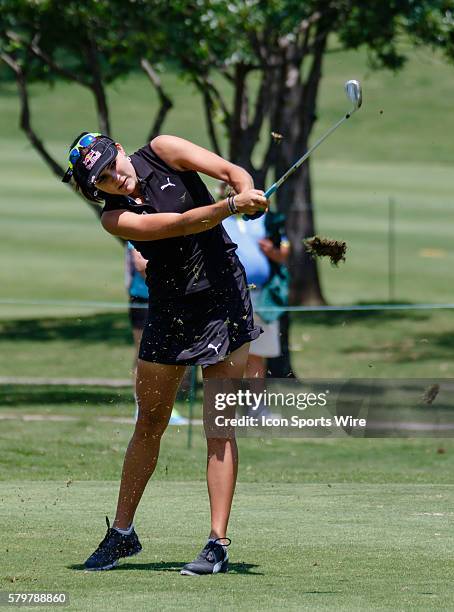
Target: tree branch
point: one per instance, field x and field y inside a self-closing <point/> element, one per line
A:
<point x="97" y="85"/>
<point x="258" y="46"/>
<point x="211" y="96"/>
<point x="46" y="59"/>
<point x="27" y="128"/>
<point x="239" y="119"/>
<point x="203" y="78"/>
<point x="214" y="91"/>
<point x="25" y="122"/>
<point x="277" y="96"/>
<point x="262" y="104"/>
<point x="226" y="74"/>
<point x="209" y="113"/>
<point x="310" y="87"/>
<point x="209" y="109"/>
<point x="166" y="102"/>
<point x="304" y="31"/>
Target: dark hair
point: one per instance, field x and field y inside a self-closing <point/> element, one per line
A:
<point x="94" y="196"/>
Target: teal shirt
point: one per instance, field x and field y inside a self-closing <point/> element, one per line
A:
<point x="135" y="283"/>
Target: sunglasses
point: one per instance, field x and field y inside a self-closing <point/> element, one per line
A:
<point x="85" y="141"/>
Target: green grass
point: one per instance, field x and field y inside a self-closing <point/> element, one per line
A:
<point x="355" y="524"/>
<point x="353" y="547"/>
<point x="395" y="344"/>
<point x="89" y="449"/>
<point x="323" y="345"/>
<point x="351" y="523"/>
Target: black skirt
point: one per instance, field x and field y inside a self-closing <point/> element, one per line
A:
<point x="200" y="328"/>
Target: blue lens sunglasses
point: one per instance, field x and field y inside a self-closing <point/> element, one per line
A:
<point x="85" y="141"/>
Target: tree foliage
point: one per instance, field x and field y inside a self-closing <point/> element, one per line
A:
<point x="269" y="54"/>
<point x="281" y="44"/>
<point x="91" y="43"/>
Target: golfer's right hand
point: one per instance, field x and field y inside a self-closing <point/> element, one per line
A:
<point x="251" y="201"/>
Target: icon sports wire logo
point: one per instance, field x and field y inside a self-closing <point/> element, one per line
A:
<point x="356" y="407"/>
<point x="245" y="398"/>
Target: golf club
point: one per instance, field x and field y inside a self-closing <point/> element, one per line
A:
<point x="354" y="94"/>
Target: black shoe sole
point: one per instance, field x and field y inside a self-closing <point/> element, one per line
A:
<point x="111" y="565"/>
<point x="224" y="570"/>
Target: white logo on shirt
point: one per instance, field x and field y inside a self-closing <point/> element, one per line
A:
<point x="215" y="348"/>
<point x="168" y="184"/>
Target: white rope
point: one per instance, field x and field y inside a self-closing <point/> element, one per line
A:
<point x="340" y="308"/>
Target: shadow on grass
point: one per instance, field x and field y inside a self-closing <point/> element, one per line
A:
<point x="30" y="395"/>
<point x="175" y="566"/>
<point x="372" y="317"/>
<point x="113" y="327"/>
<point x="444" y="341"/>
<point x="414" y="349"/>
<point x="108" y="328"/>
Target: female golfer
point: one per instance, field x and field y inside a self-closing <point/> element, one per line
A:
<point x="199" y="311"/>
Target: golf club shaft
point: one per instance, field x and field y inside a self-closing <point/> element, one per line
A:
<point x="275" y="186"/>
<point x="302" y="159"/>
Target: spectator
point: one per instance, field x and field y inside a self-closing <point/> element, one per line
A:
<point x="263" y="252"/>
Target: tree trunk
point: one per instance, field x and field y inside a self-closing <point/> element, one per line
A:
<point x="294" y="197"/>
<point x="239" y="119"/>
<point x="281" y="367"/>
<point x="305" y="287"/>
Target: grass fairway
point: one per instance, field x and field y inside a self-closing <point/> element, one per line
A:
<point x="316" y="524"/>
<point x="295" y="546"/>
<point x="323" y="345"/>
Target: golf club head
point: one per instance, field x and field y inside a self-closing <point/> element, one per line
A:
<point x="354" y="93"/>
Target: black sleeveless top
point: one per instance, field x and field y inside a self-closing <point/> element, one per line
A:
<point x="186" y="264"/>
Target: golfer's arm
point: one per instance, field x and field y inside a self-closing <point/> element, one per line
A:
<point x="157" y="226"/>
<point x="183" y="155"/>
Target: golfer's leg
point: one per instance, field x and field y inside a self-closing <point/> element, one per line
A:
<point x="137" y="335"/>
<point x="256" y="367"/>
<point x="156" y="388"/>
<point x="222" y="459"/>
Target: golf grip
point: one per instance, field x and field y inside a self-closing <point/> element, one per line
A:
<point x="275" y="186"/>
<point x="268" y="193"/>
